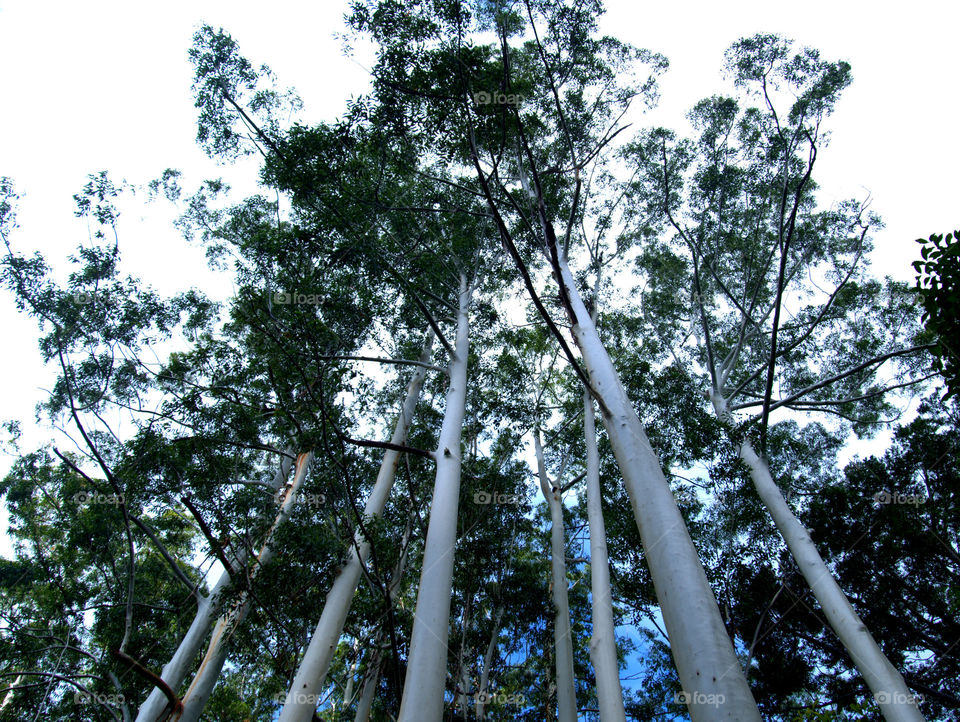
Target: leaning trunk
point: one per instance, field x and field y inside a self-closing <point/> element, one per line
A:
<point x="217" y="650"/>
<point x="896" y="701"/>
<point x="175" y="671"/>
<point x="603" y="643"/>
<point x="562" y="640"/>
<point x="311" y="674"/>
<point x="427" y="662"/>
<point x="713" y="683"/>
<point x="482" y="694"/>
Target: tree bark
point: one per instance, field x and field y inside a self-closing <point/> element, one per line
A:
<point x="196" y="696"/>
<point x="426" y="675"/>
<point x="713" y="682"/>
<point x="603" y="643"/>
<point x="481" y="698"/>
<point x="897" y="703"/>
<point x="562" y="641"/>
<point x="305" y="689"/>
<point x="175" y="671"/>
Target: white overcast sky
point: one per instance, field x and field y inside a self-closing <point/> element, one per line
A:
<point x="106" y="86"/>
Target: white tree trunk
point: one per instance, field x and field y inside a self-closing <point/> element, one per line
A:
<point x="304" y="692"/>
<point x="427" y="662"/>
<point x="896" y="701"/>
<point x="370" y="682"/>
<point x="713" y="682"/>
<point x="562" y="641"/>
<point x="481" y="698"/>
<point x="603" y="643"/>
<point x="372" y="674"/>
<point x="207" y="675"/>
<point x="175" y="671"/>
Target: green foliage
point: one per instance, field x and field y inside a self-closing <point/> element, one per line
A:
<point x="938" y="285"/>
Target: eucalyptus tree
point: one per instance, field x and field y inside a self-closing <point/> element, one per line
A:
<point x="432" y="82"/>
<point x="739" y="200"/>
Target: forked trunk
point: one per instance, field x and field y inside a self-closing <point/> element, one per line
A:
<point x="208" y="609"/>
<point x="196" y="696"/>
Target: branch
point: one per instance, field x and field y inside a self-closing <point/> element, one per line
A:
<point x="173" y="702"/>
<point x="842" y="375"/>
<point x="205" y="530"/>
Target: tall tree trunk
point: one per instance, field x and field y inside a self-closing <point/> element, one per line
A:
<point x="208" y="609"/>
<point x="206" y="677"/>
<point x="896" y="701"/>
<point x="427" y="662"/>
<point x="482" y="694"/>
<point x="562" y="641"/>
<point x="713" y="682"/>
<point x="312" y="672"/>
<point x="372" y="674"/>
<point x="603" y="643"/>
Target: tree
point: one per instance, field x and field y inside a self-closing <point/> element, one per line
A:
<point x="937" y="284"/>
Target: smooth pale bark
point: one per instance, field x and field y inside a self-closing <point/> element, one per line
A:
<point x="481" y="698"/>
<point x="370" y="682"/>
<point x="218" y="648"/>
<point x="372" y="675"/>
<point x="710" y="674"/>
<point x="897" y="703"/>
<point x="208" y="609"/>
<point x="562" y="641"/>
<point x="603" y="643"/>
<point x="311" y="674"/>
<point x="427" y="662"/>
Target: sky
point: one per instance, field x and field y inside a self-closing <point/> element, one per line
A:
<point x="106" y="86"/>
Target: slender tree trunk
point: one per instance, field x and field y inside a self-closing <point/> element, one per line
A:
<point x="603" y="643"/>
<point x="427" y="662"/>
<point x="217" y="650"/>
<point x="370" y="682"/>
<point x="710" y="674"/>
<point x="482" y="694"/>
<point x="562" y="641"/>
<point x="312" y="672"/>
<point x="372" y="674"/>
<point x="896" y="701"/>
<point x="175" y="671"/>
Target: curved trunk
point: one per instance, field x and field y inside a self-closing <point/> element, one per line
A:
<point x="562" y="641"/>
<point x="897" y="703"/>
<point x="311" y="674"/>
<point x="713" y="683"/>
<point x="603" y="643"/>
<point x="175" y="671"/>
<point x="426" y="676"/>
<point x="217" y="650"/>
